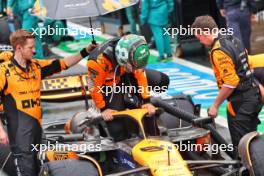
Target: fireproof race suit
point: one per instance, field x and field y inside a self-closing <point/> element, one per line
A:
<point x="106" y="80"/>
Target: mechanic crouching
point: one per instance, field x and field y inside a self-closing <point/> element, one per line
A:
<point x="117" y="80"/>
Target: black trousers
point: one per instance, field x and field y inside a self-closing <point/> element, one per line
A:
<point x="24" y="132"/>
<point x="5" y="156"/>
<point x="120" y="128"/>
<point x="246" y="107"/>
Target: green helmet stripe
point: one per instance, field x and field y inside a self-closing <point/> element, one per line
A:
<point x="132" y="49"/>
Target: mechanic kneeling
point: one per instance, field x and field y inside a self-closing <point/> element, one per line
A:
<point x="117" y="80"/>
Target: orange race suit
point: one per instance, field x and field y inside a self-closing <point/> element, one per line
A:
<point x="20" y="89"/>
<point x="104" y="73"/>
<point x="231" y="68"/>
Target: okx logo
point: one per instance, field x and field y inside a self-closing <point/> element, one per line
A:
<point x="30" y="103"/>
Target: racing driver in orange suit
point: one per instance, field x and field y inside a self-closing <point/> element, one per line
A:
<point x="118" y="79"/>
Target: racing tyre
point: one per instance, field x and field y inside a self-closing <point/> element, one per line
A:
<point x="257" y="155"/>
<point x="69" y="167"/>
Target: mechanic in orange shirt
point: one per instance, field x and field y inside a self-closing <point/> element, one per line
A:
<point x="234" y="78"/>
<point x="4" y="56"/>
<point x="117" y="80"/>
<point x="20" y="81"/>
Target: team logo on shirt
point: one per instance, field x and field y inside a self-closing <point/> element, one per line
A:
<point x="30" y="103"/>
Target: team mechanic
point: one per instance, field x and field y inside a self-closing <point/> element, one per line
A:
<point x="20" y="80"/>
<point x="234" y="78"/>
<point x="121" y="62"/>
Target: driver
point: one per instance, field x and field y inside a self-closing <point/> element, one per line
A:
<point x="117" y="80"/>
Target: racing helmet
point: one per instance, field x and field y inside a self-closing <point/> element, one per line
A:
<point x="132" y="51"/>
